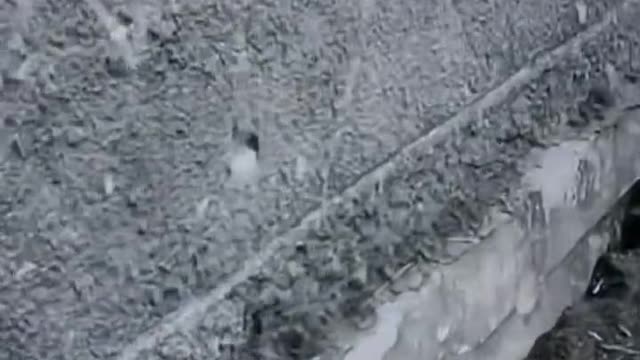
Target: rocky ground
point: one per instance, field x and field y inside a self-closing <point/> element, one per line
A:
<point x="604" y="324"/>
<point x="119" y="202"/>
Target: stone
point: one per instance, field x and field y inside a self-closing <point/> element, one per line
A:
<point x="411" y="280"/>
<point x="581" y="12"/>
<point x="75" y="135"/>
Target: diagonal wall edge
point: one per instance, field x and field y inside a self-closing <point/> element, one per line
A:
<point x="187" y="316"/>
<point x="500" y="286"/>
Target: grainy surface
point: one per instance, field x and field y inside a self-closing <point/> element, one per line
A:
<point x="114" y="202"/>
<point x="428" y="198"/>
<point x="603" y="326"/>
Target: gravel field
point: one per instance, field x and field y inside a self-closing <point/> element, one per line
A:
<point x="121" y="125"/>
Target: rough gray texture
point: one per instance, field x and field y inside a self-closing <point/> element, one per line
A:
<point x="114" y="203"/>
<point x="461" y="178"/>
<point x="601" y="327"/>
<point x="517" y="280"/>
<point x="603" y="322"/>
<point x="564" y="284"/>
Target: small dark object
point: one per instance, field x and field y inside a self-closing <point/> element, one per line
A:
<point x="633" y="78"/>
<point x="246" y="138"/>
<point x="181" y="131"/>
<point x="365" y="318"/>
<point x="257" y="323"/>
<point x="171" y="294"/>
<point x="253" y="322"/>
<point x="355" y="284"/>
<point x="593" y="106"/>
<point x="10" y="121"/>
<point x="630" y="227"/>
<point x="601" y="96"/>
<point x="124" y="18"/>
<point x="116" y="67"/>
<point x="580" y="120"/>
<point x="606" y="280"/>
<point x="252" y="142"/>
<point x="301" y="249"/>
<point x="292" y="341"/>
<point x="18" y="147"/>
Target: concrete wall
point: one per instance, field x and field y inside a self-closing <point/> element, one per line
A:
<point x="386" y="130"/>
<point x="529" y="266"/>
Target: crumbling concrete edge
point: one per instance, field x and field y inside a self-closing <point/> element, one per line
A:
<point x="562" y="286"/>
<point x="190" y="313"/>
<point x="567" y="190"/>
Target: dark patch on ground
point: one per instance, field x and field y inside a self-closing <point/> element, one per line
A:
<point x="630" y="227"/>
<point x="607" y="280"/>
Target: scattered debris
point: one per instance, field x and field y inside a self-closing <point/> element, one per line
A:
<point x="17" y="146"/>
<point x="83" y="285"/>
<point x="601" y="96"/>
<point x="581" y="10"/>
<point x="443" y="331"/>
<point x="109" y="184"/>
<point x="202" y="207"/>
<point x="625" y="331"/>
<point x="25" y="269"/>
<point x="464" y="239"/>
<point x="302" y="168"/>
<point x="463" y="349"/>
<point x="176" y="347"/>
<point x="246" y="138"/>
<point x="409" y="280"/>
<point x="594" y="335"/>
<point x="117" y="67"/>
<point x="294" y="269"/>
<point x="75" y="135"/>
<point x="243" y="165"/>
<point x="365" y="318"/>
<point x="619" y="348"/>
<point x="29" y="66"/>
<point x="361" y="274"/>
<point x="119" y="34"/>
<point x="16" y="43"/>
